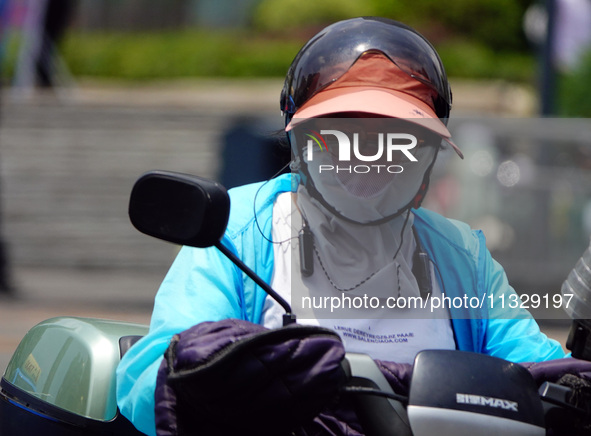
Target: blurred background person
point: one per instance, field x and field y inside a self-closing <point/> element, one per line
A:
<point x="572" y="33"/>
<point x="39" y="64"/>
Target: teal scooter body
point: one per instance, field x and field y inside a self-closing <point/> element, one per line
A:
<point x="61" y="379"/>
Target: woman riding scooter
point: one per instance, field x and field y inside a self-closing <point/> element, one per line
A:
<point x="366" y="103"/>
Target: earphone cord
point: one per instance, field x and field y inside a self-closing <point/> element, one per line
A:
<point x="254" y="207"/>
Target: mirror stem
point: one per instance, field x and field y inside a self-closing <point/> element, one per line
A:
<point x="288" y="317"/>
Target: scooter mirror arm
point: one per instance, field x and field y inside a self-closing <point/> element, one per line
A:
<point x="288" y="317"/>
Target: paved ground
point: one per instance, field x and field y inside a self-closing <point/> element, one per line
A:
<point x="67" y="164"/>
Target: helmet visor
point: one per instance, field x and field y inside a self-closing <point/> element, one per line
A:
<point x="327" y="56"/>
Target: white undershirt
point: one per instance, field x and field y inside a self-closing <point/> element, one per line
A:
<point x="383" y="333"/>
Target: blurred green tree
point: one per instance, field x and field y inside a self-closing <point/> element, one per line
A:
<point x="495" y="23"/>
<point x="575" y="89"/>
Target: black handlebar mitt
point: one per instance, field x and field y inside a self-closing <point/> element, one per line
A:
<point x="235" y="377"/>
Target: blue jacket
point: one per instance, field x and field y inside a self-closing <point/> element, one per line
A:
<point x="203" y="285"/>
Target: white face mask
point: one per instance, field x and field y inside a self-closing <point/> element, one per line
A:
<point x="362" y="189"/>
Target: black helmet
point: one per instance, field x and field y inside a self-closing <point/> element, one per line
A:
<point x="332" y="52"/>
<point x="381" y="68"/>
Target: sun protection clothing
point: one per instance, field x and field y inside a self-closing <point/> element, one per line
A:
<point x="203" y="285"/>
<point x="369" y="64"/>
<point x="375" y="85"/>
<point x="352" y="276"/>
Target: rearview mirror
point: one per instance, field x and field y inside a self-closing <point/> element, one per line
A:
<point x="189" y="210"/>
<point x="179" y="208"/>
